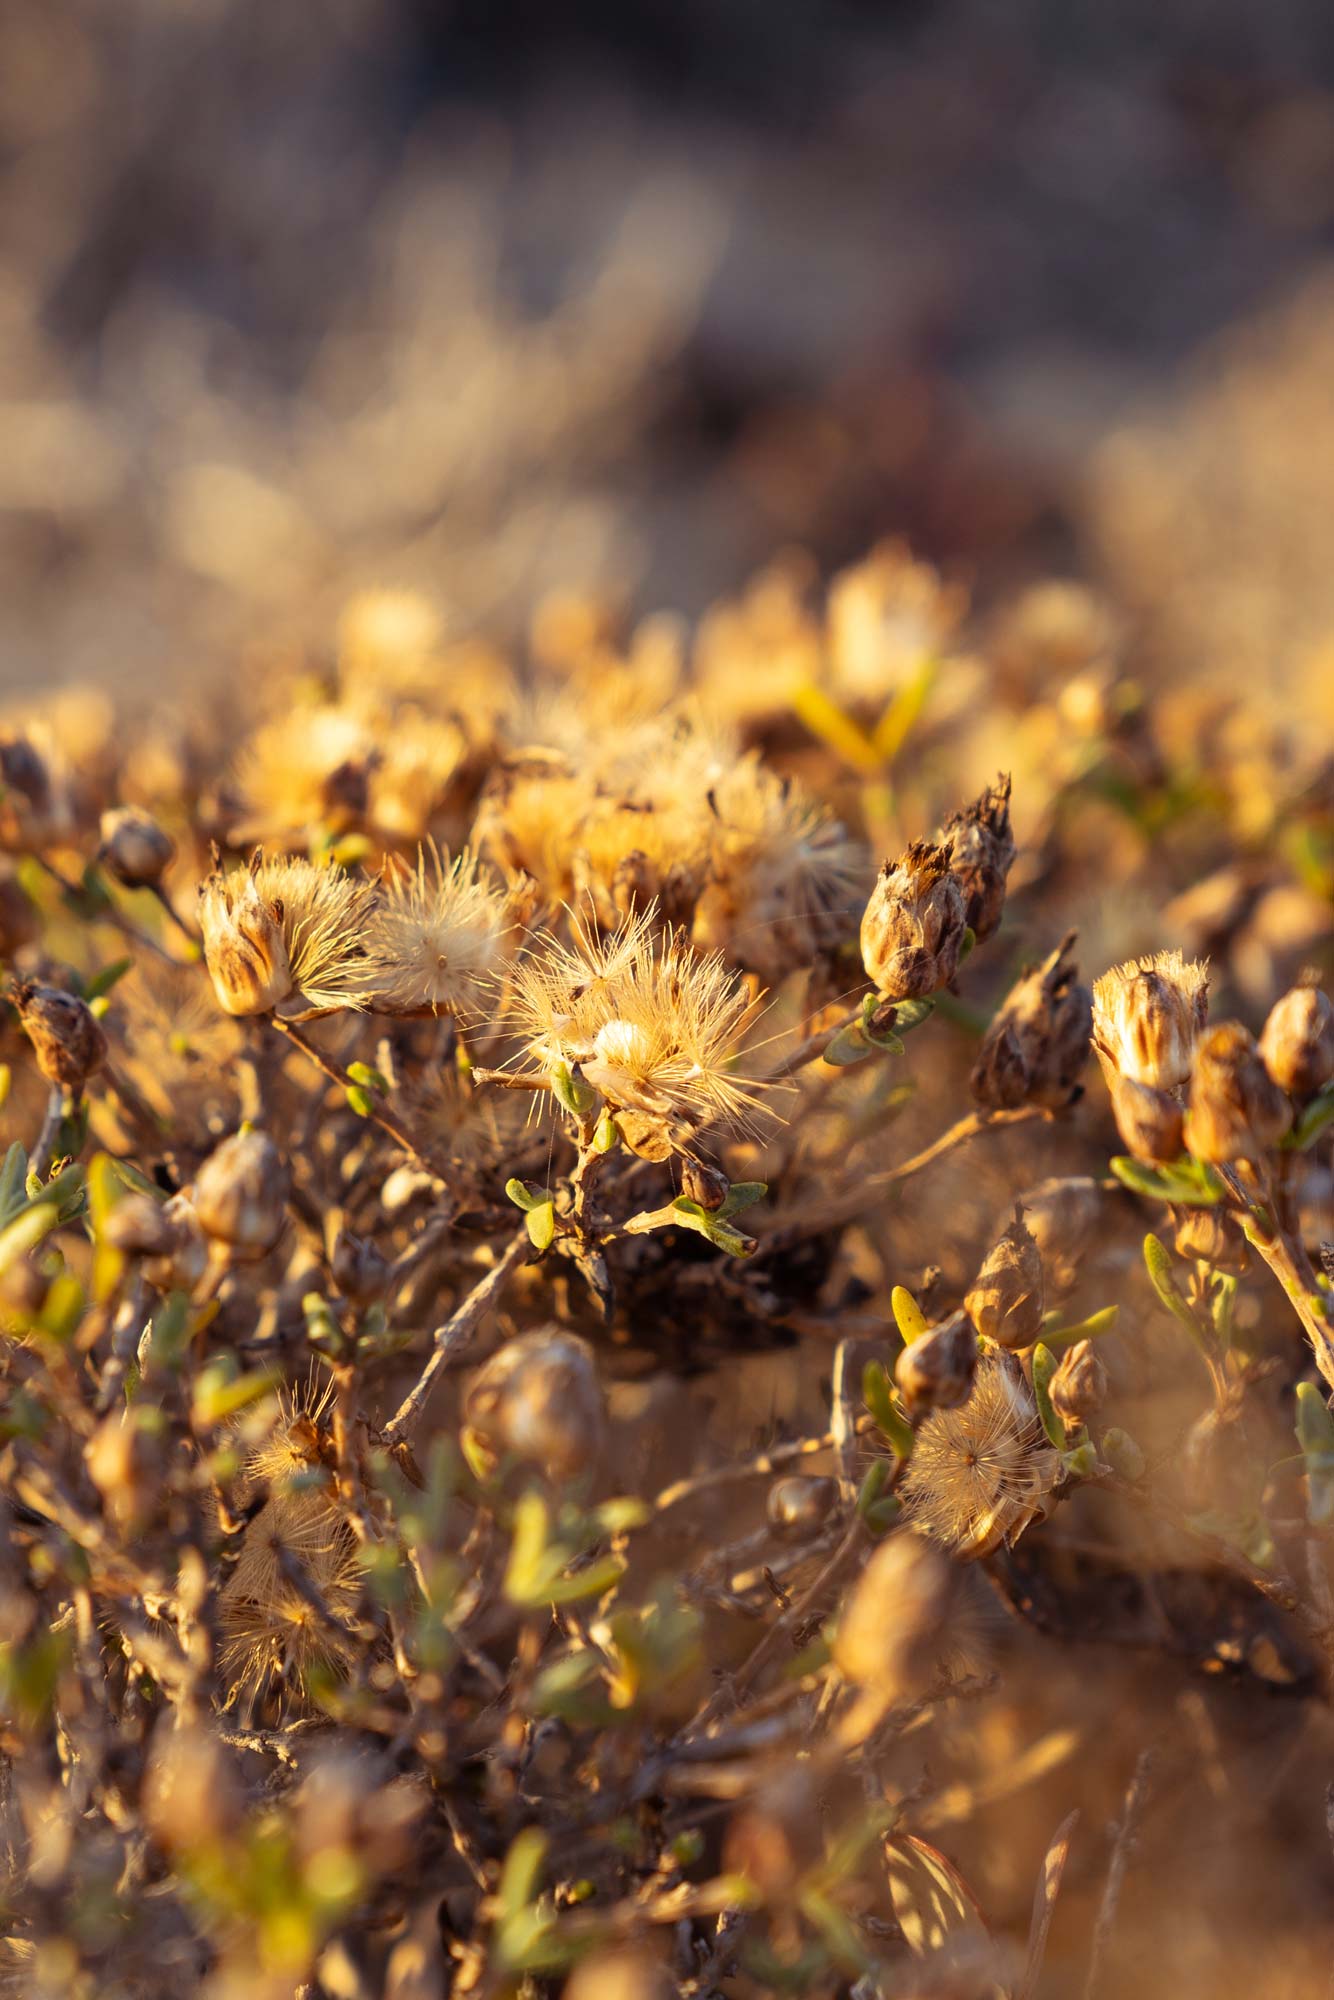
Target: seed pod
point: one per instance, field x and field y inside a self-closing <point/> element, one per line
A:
<point x="889" y="1630"/>
<point x="141" y="1227"/>
<point x="981" y="850"/>
<point x="913" y="927"/>
<point x="180" y="1266"/>
<point x="134" y="849"/>
<point x="66" y="1036"/>
<point x="1006" y="1301"/>
<point x="539" y="1397"/>
<point x="1148" y="1120"/>
<point x="28" y="809"/>
<point x="1062" y="1214"/>
<point x="935" y="1371"/>
<point x="1036" y="1049"/>
<point x="704" y="1183"/>
<point x="1237" y="1111"/>
<point x="244" y="946"/>
<point x="1078" y="1389"/>
<point x="1146" y="1016"/>
<point x="241" y="1193"/>
<point x="798" y="1507"/>
<point x="359" y="1271"/>
<point x="1297" y="1042"/>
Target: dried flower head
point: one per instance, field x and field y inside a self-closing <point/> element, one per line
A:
<point x="1036" y="1048"/>
<point x="1237" y="1111"/>
<point x="1297" y="1042"/>
<point x="1146" y="1016"/>
<point x="437" y="937"/>
<point x="286" y="935"/>
<point x="1149" y="1121"/>
<point x="979" y="1471"/>
<point x="648" y="1022"/>
<point x="308" y="770"/>
<point x="134" y="848"/>
<point x="913" y="927"/>
<point x="1063" y="1213"/>
<point x="1006" y="1300"/>
<point x="66" y="1036"/>
<point x="981" y="849"/>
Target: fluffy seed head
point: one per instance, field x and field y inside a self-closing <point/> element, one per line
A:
<point x="437" y="936"/>
<point x="1146" y="1016"/>
<point x="979" y="1471"/>
<point x="285" y="933"/>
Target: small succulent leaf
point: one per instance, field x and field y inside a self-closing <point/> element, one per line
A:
<point x="1044" y="1367"/>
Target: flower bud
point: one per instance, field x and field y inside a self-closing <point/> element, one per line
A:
<point x="134" y="849"/>
<point x="981" y="850"/>
<point x="1210" y="1235"/>
<point x="704" y="1183"/>
<point x="359" y="1271"/>
<point x="888" y="1637"/>
<point x="66" y="1036"/>
<point x="913" y="927"/>
<point x="1148" y="1120"/>
<point x="244" y="946"/>
<point x="1006" y="1301"/>
<point x="180" y="1265"/>
<point x="141" y="1227"/>
<point x="1297" y="1042"/>
<point x="935" y="1371"/>
<point x="1062" y="1214"/>
<point x="1146" y="1016"/>
<point x="241" y="1193"/>
<point x="539" y="1397"/>
<point x="1078" y="1389"/>
<point x="798" y="1507"/>
<point x="1036" y="1048"/>
<point x="1237" y="1111"/>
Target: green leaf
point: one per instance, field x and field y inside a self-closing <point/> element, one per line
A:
<point x="6" y="1079"/>
<point x="360" y="1101"/>
<point x="26" y="1231"/>
<point x="848" y="1046"/>
<point x="1123" y="1454"/>
<point x="724" y="1237"/>
<point x="910" y="1014"/>
<point x="908" y="1314"/>
<point x="369" y="1077"/>
<point x="524" y="1196"/>
<point x="742" y="1194"/>
<point x="62" y="1308"/>
<point x="522" y="1872"/>
<point x="607" y="1137"/>
<point x="1158" y="1264"/>
<point x="1315" y="1120"/>
<point x="592" y="1581"/>
<point x="1187" y="1181"/>
<point x="886" y="1040"/>
<point x="1084" y="1329"/>
<point x="873" y="1486"/>
<point x="1315" y="1424"/>
<point x="103" y="981"/>
<point x="540" y="1222"/>
<point x="1081" y="1460"/>
<point x="879" y="1398"/>
<point x="1044" y="1367"/>
<point x="577" y="1096"/>
<point x="13" y="1179"/>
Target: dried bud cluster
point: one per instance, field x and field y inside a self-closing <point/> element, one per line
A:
<point x="1006" y="1301"/>
<point x="1036" y="1048"/>
<point x="981" y="849"/>
<point x="913" y="927"/>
